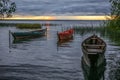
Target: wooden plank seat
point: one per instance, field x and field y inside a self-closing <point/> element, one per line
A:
<point x="93" y="45"/>
<point x="94" y="50"/>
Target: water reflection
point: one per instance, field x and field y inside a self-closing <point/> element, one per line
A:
<point x="42" y="38"/>
<point x="93" y="73"/>
<point x="15" y="41"/>
<point x="61" y="43"/>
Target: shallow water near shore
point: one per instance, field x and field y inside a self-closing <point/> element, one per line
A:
<point x="42" y="59"/>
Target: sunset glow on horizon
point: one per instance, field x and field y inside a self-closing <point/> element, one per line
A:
<point x="58" y="18"/>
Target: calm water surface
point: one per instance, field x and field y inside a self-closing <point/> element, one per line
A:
<point x="43" y="59"/>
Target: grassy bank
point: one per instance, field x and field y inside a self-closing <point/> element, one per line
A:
<point x="21" y="25"/>
<point x="27" y="25"/>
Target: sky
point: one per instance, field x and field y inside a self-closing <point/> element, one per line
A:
<point x="62" y="9"/>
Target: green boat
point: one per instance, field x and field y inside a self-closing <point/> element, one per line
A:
<point x="29" y="34"/>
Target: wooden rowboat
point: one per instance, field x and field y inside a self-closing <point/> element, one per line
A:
<point x="65" y="34"/>
<point x="93" y="50"/>
<point x="29" y="34"/>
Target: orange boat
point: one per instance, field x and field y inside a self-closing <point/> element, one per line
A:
<point x="65" y="34"/>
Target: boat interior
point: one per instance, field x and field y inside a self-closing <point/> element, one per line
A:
<point x="94" y="44"/>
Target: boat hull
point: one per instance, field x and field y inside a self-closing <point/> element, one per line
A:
<point x="93" y="59"/>
<point x="93" y="49"/>
<point x="65" y="35"/>
<point x="31" y="34"/>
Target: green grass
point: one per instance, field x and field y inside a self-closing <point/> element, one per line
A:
<point x="113" y="34"/>
<point x="21" y="25"/>
<point x="84" y="30"/>
<point x="28" y="26"/>
<point x="7" y="24"/>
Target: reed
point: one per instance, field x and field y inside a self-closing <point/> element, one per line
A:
<point x="114" y="24"/>
<point x="84" y="30"/>
<point x="28" y="26"/>
<point x="7" y="24"/>
<point x="112" y="34"/>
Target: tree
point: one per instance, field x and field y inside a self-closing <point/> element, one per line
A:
<point x="7" y="8"/>
<point x="115" y="13"/>
<point x="115" y="7"/>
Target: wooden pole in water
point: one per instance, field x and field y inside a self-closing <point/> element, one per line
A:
<point x="57" y="40"/>
<point x="62" y="28"/>
<point x="9" y="40"/>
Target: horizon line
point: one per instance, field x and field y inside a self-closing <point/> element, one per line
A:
<point x="98" y="17"/>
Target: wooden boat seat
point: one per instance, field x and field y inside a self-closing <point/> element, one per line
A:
<point x="93" y="45"/>
<point x="94" y="38"/>
<point x="94" y="50"/>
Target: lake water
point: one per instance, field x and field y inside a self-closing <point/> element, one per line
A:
<point x="43" y="59"/>
<point x="62" y="7"/>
